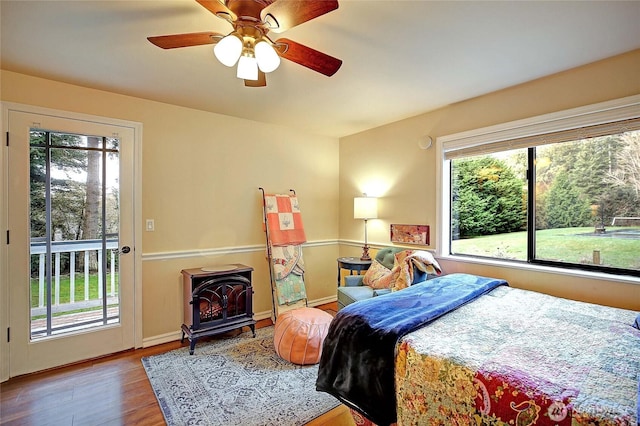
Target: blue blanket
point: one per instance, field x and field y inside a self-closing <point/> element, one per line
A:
<point x="357" y="363"/>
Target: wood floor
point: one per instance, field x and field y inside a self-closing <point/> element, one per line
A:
<point x="112" y="390"/>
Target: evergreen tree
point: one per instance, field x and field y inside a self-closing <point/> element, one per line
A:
<point x="594" y="161"/>
<point x="627" y="174"/>
<point x="487" y="198"/>
<point x="64" y="190"/>
<point x="566" y="206"/>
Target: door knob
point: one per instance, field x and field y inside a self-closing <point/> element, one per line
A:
<point x="125" y="250"/>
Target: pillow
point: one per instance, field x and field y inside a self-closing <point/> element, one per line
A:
<point x="378" y="276"/>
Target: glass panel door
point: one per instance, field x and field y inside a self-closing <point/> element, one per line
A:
<point x="71" y="263"/>
<point x="74" y="205"/>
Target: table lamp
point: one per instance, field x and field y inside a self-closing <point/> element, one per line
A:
<point x="365" y="208"/>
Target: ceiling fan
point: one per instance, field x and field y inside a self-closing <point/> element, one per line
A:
<point x="248" y="43"/>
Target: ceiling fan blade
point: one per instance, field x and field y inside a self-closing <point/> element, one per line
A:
<point x="307" y="57"/>
<point x="185" y="40"/>
<point x="260" y="82"/>
<point x="282" y="15"/>
<point x="218" y="8"/>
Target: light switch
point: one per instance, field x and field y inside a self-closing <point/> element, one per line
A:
<point x="150" y="226"/>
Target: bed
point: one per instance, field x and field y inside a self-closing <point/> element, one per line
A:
<point x="468" y="350"/>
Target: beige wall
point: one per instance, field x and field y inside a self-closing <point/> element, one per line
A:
<point x="200" y="179"/>
<point x="389" y="160"/>
<point x="201" y="173"/>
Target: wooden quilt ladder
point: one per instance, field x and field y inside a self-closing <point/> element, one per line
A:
<point x="282" y="222"/>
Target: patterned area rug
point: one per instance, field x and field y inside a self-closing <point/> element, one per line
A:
<point x="235" y="381"/>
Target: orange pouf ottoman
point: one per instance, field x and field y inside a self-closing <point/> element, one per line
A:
<point x="299" y="334"/>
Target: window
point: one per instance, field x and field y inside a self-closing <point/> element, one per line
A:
<point x="74" y="217"/>
<point x="559" y="190"/>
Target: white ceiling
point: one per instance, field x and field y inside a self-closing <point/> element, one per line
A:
<point x="400" y="58"/>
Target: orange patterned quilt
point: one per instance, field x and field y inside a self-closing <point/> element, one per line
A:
<point x="284" y="220"/>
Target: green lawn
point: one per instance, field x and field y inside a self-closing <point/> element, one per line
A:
<point x="65" y="288"/>
<point x="573" y="245"/>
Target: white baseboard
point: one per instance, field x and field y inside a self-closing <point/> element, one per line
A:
<point x="161" y="338"/>
<point x="323" y="301"/>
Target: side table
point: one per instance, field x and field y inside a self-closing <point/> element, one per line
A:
<point x="352" y="264"/>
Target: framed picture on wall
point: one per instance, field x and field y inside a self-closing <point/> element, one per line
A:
<point x="410" y="234"/>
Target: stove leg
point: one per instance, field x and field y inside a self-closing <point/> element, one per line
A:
<point x="192" y="346"/>
<point x="253" y="329"/>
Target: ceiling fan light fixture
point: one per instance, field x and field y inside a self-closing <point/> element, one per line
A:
<point x="248" y="47"/>
<point x="268" y="59"/>
<point x="228" y="50"/>
<point x="247" y="67"/>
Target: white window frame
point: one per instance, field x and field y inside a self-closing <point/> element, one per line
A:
<point x="615" y="110"/>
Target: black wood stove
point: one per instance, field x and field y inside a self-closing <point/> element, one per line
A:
<point x="216" y="300"/>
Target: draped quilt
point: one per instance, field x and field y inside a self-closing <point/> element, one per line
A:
<point x="286" y="235"/>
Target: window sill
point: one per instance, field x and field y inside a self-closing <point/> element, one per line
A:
<point x="627" y="279"/>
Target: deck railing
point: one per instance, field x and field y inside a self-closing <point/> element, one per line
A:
<point x="39" y="249"/>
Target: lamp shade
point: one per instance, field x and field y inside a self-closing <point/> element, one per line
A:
<point x="247" y="68"/>
<point x="268" y="59"/>
<point x="365" y="208"/>
<point x="228" y="50"/>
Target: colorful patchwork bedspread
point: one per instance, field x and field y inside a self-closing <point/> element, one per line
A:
<point x="515" y="357"/>
<point x="358" y="354"/>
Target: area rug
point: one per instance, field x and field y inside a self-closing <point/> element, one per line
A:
<point x="235" y="381"/>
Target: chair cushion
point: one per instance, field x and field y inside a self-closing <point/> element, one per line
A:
<point x="353" y="280"/>
<point x="348" y="295"/>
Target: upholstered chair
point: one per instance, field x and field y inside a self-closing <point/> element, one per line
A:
<point x="354" y="289"/>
